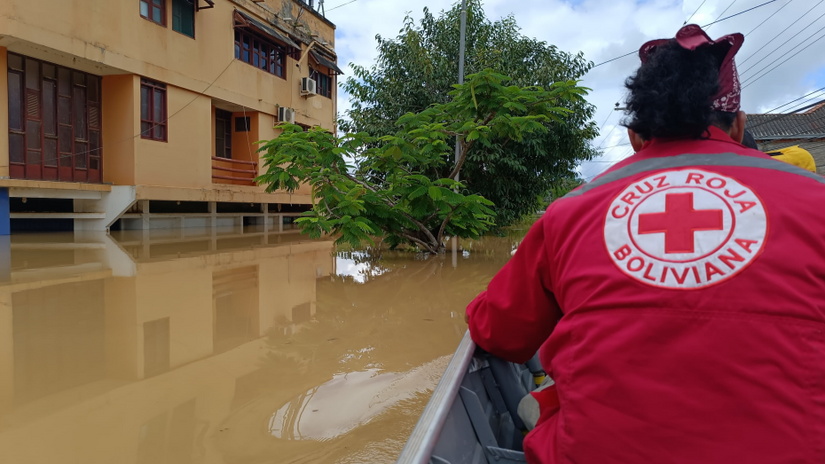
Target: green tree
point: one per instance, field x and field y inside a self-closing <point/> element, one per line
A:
<point x="399" y="186"/>
<point x="418" y="69"/>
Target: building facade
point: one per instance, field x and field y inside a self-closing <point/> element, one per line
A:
<point x="136" y="114"/>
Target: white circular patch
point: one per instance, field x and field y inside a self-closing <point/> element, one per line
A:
<point x="685" y="229"/>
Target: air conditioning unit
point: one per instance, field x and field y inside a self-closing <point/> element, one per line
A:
<point x="309" y="88"/>
<point x="286" y="115"/>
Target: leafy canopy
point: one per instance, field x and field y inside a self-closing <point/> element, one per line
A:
<point x="402" y="186"/>
<point x="418" y="68"/>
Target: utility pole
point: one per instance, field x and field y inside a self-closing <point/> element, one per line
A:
<point x="461" y="46"/>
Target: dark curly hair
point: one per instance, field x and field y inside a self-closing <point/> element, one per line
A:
<point x="672" y="93"/>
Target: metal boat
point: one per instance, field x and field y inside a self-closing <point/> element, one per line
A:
<point x="472" y="416"/>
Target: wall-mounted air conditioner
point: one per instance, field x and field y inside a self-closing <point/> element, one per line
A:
<point x="309" y="88"/>
<point x="286" y="115"/>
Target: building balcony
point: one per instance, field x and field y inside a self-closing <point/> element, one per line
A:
<point x="231" y="171"/>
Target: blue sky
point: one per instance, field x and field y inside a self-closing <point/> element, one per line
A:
<point x="604" y="29"/>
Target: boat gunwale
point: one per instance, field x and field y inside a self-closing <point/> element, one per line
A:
<point x="422" y="441"/>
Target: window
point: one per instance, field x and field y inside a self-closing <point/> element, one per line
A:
<point x="154" y="10"/>
<point x="183" y="17"/>
<point x="54" y="122"/>
<point x="223" y="134"/>
<point x="324" y="82"/>
<point x="263" y="54"/>
<point x="242" y="124"/>
<point x="152" y="110"/>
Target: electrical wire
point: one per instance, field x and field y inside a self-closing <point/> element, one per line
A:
<point x="795" y="109"/>
<point x="741" y="63"/>
<point x="605" y="122"/>
<point x="720" y="15"/>
<point x="694" y="13"/>
<point x="339" y="6"/>
<point x="746" y="70"/>
<point x="706" y="25"/>
<point x="750" y="81"/>
<point x="737" y="14"/>
<point x="768" y="18"/>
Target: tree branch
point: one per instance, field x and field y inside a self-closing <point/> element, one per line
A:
<point x="418" y="223"/>
<point x="466" y="149"/>
<point x="444" y="224"/>
<point x="420" y="242"/>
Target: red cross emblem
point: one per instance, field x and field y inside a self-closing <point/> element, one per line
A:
<point x="680" y="222"/>
<point x="685" y="228"/>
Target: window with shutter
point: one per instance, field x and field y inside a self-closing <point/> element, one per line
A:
<point x="183" y="17"/>
<point x="54" y="122"/>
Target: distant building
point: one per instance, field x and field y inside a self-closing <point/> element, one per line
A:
<point x="806" y="129"/>
<point x="136" y="114"/>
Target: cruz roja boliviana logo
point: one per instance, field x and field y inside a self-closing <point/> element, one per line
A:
<point x="685" y="229"/>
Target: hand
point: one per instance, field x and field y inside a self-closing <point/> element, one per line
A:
<point x="466" y="317"/>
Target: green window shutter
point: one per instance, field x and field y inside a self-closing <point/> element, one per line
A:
<point x="183" y="17"/>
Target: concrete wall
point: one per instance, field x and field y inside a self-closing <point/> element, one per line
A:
<point x="184" y="160"/>
<point x="118" y="132"/>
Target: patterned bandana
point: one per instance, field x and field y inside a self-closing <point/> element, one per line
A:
<point x="691" y="37"/>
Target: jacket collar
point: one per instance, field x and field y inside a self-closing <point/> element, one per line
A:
<point x="716" y="134"/>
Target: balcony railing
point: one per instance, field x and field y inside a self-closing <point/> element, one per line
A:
<point x="231" y="171"/>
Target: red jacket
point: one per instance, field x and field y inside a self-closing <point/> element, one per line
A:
<point x="678" y="302"/>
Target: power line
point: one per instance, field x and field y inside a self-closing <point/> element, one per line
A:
<point x="780" y="33"/>
<point x="607" y="136"/>
<point x="614" y="59"/>
<point x="769" y="17"/>
<point x="804" y="104"/>
<point x="619" y="145"/>
<point x="602" y="126"/>
<point x="720" y="15"/>
<point x="751" y="81"/>
<point x="694" y="13"/>
<point x="796" y="99"/>
<point x="737" y="14"/>
<point x="783" y="43"/>
<point x="706" y="25"/>
<point x="343" y="4"/>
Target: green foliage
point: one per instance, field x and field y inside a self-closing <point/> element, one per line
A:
<point x="401" y="186"/>
<point x="419" y="67"/>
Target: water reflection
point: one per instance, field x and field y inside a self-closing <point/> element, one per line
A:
<point x="351" y="399"/>
<point x="233" y="346"/>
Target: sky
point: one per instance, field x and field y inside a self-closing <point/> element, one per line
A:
<point x="605" y="29"/>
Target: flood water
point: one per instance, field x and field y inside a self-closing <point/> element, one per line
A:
<point x="235" y="346"/>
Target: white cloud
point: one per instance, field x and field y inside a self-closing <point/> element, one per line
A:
<point x="604" y="29"/>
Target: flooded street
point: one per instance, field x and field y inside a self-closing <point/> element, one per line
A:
<point x="240" y="346"/>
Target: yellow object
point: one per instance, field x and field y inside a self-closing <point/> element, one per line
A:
<point x="796" y="156"/>
<point x="538" y="379"/>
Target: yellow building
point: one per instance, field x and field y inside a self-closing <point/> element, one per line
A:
<point x="138" y="114"/>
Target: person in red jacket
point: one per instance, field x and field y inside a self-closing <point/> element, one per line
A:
<point x="678" y="300"/>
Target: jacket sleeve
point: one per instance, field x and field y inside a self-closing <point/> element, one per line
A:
<point x="517" y="312"/>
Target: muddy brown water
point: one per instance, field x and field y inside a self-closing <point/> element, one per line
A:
<point x="234" y="346"/>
